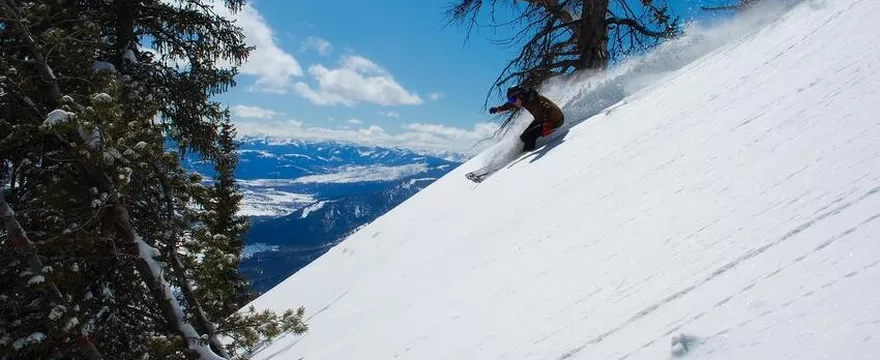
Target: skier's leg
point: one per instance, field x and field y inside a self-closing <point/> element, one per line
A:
<point x="531" y="135"/>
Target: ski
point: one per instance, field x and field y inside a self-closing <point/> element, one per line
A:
<point x="477" y="177"/>
<point x="481" y="174"/>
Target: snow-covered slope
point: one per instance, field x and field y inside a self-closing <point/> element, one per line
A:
<point x="734" y="200"/>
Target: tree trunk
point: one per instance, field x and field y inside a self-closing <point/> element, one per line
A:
<point x="200" y="320"/>
<point x="171" y="311"/>
<point x="124" y="30"/>
<point x="593" y="36"/>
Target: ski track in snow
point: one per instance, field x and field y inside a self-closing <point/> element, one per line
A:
<point x="735" y="199"/>
<point x="731" y="265"/>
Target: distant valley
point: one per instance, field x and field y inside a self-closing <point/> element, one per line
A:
<point x="304" y="197"/>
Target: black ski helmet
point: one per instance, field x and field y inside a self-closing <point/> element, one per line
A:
<point x="515" y="91"/>
<point x="520" y="92"/>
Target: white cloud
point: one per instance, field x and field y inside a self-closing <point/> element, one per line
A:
<point x="272" y="65"/>
<point x="436" y="96"/>
<point x="355" y="121"/>
<point x="245" y="111"/>
<point x="428" y="137"/>
<point x="356" y="80"/>
<point x="440" y="130"/>
<point x="390" y="114"/>
<point x="320" y="45"/>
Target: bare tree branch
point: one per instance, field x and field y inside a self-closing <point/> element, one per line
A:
<point x="554" y="8"/>
<point x="638" y="27"/>
<point x="564" y="36"/>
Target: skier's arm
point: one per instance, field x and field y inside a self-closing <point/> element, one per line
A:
<point x="502" y="108"/>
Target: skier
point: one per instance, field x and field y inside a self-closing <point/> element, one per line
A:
<point x="547" y="115"/>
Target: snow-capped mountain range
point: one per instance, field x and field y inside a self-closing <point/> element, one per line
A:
<point x="304" y="196"/>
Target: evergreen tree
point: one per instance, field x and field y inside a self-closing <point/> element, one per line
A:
<point x="111" y="249"/>
<point x="224" y="232"/>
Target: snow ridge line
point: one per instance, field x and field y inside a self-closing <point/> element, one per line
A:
<point x="720" y="271"/>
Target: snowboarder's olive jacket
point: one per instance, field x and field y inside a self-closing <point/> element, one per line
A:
<point x="541" y="108"/>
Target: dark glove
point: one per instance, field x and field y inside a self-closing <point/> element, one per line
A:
<point x="546" y="130"/>
<point x="493" y="110"/>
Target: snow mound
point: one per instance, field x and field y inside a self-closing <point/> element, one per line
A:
<point x="733" y="196"/>
<point x="56" y="117"/>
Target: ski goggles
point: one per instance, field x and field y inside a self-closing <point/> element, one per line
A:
<point x="511" y="100"/>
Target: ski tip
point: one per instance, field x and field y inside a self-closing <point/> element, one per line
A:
<point x="474" y="177"/>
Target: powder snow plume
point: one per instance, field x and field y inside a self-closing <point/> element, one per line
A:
<point x="585" y="94"/>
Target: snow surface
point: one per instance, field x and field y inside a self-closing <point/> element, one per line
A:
<point x="102" y="98"/>
<point x="260" y="153"/>
<point x="99" y="66"/>
<point x="724" y="207"/>
<point x="31" y="339"/>
<point x="251" y="249"/>
<point x="56" y="117"/>
<point x="313" y="207"/>
<point x="297" y="155"/>
<point x="130" y="56"/>
<point x="268" y="201"/>
<point x="357" y="173"/>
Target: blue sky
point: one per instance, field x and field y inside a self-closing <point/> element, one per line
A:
<point x="379" y="72"/>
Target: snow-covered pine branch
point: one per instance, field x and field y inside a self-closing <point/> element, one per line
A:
<point x="97" y="186"/>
